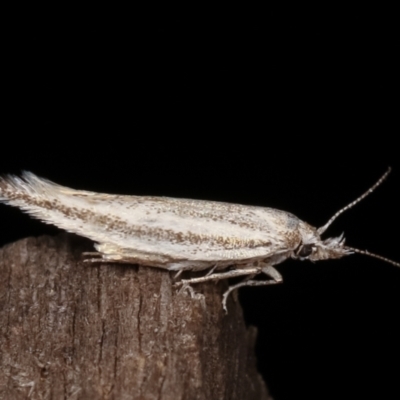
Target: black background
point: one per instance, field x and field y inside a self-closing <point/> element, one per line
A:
<point x="295" y="109"/>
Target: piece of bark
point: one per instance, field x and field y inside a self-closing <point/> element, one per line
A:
<point x="73" y="330"/>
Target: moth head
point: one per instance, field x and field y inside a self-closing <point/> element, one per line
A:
<point x="314" y="248"/>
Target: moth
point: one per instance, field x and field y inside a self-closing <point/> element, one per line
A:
<point x="224" y="240"/>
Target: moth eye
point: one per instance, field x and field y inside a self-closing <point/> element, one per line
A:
<point x="305" y="251"/>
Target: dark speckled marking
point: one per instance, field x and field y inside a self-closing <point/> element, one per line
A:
<point x="152" y="234"/>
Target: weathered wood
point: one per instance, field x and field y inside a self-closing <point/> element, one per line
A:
<point x="71" y="330"/>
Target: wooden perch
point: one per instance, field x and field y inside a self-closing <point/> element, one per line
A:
<point x="72" y="330"/>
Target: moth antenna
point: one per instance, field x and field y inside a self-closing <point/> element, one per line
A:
<point x="353" y="203"/>
<point x="367" y="253"/>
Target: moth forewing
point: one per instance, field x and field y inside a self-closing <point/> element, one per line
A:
<point x="204" y="233"/>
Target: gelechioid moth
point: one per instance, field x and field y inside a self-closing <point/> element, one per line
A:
<point x="224" y="240"/>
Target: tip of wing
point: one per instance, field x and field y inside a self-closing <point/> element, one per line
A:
<point x="12" y="186"/>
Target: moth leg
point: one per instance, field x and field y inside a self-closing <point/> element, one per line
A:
<point x="233" y="288"/>
<point x="219" y="276"/>
<point x="272" y="273"/>
<point x="189" y="266"/>
<point x="189" y="289"/>
<point x="112" y="253"/>
<point x="192" y="293"/>
<point x="241" y="284"/>
<point x="177" y="274"/>
<point x="268" y="270"/>
<point x="109" y="261"/>
<point x="211" y="271"/>
<point x="183" y="269"/>
<point x="106" y="258"/>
